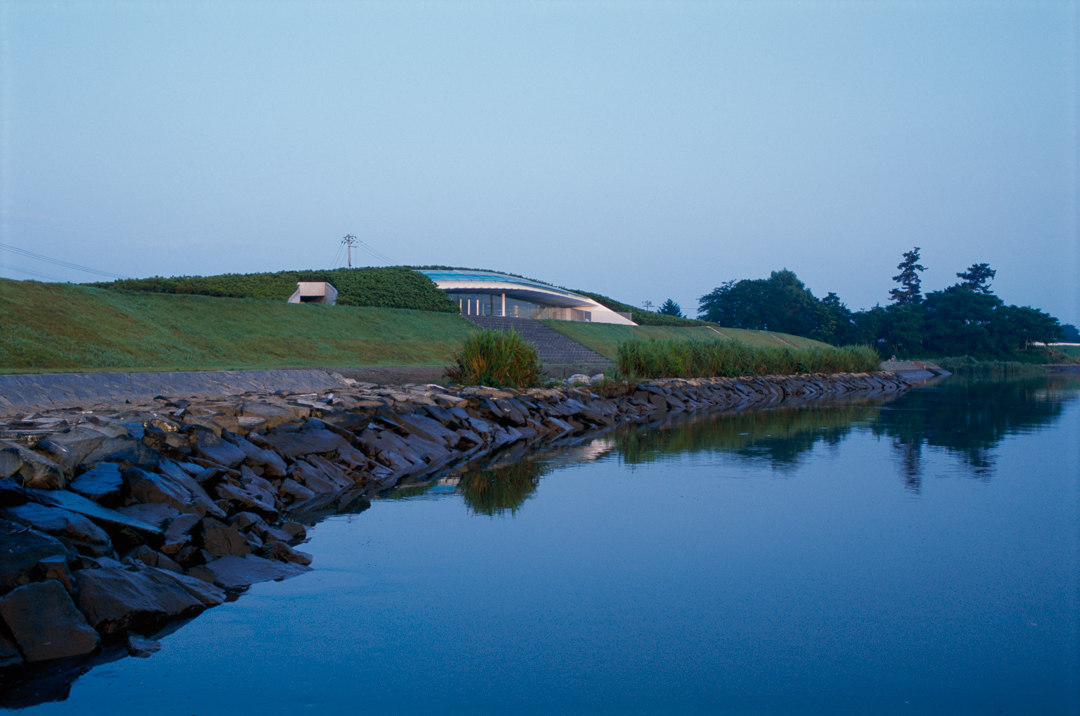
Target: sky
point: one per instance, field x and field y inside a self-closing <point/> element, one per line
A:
<point x="642" y="150"/>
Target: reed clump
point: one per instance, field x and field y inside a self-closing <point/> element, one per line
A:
<point x="720" y="358"/>
<point x="497" y="359"/>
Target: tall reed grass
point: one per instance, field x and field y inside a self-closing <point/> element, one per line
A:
<point x="719" y="358"/>
<point x="497" y="359"/>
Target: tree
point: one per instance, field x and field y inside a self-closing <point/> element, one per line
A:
<point x="901" y="329"/>
<point x="977" y="278"/>
<point x="1069" y="333"/>
<point x="1017" y="327"/>
<point x="909" y="280"/>
<point x="836" y="323"/>
<point x="778" y="303"/>
<point x="670" y="308"/>
<point x="867" y="328"/>
<point x="960" y="323"/>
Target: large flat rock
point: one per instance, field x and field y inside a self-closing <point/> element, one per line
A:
<point x="114" y="599"/>
<point x="102" y="484"/>
<point x="235" y="573"/>
<point x="303" y="442"/>
<point x="175" y="490"/>
<point x="102" y="516"/>
<point x="61" y="523"/>
<point x="21" y="548"/>
<point x="45" y="623"/>
<point x="33" y="470"/>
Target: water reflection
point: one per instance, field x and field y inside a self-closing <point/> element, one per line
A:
<point x="966" y="418"/>
<point x="501" y="488"/>
<point x="779" y="436"/>
<point x="969" y="419"/>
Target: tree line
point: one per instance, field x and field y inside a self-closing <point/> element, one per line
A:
<point x="963" y="319"/>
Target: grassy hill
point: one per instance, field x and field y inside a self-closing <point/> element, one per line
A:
<point x="604" y="338"/>
<point x="64" y="327"/>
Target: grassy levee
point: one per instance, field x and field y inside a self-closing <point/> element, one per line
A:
<point x="604" y="338"/>
<point x="48" y="327"/>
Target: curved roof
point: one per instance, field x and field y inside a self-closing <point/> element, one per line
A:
<point x="491" y="282"/>
<point x="441" y="275"/>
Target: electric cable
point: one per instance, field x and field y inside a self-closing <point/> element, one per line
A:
<point x="58" y="262"/>
<point x="33" y="273"/>
<point x="377" y="254"/>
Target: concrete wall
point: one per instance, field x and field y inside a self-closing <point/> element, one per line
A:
<point x="314" y="292"/>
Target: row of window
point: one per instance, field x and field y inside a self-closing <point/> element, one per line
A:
<point x="489" y="304"/>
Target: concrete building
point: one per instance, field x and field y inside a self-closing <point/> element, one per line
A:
<point x="314" y="292"/>
<point x="486" y="293"/>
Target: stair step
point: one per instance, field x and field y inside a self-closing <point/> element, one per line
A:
<point x="553" y="347"/>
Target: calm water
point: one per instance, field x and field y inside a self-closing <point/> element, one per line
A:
<point x="916" y="557"/>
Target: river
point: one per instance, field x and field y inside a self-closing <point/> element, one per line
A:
<point x="918" y="556"/>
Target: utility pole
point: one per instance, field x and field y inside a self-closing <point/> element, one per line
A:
<point x="349" y="241"/>
<point x="648" y="305"/>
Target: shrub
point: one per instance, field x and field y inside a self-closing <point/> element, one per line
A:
<point x="391" y="287"/>
<point x="498" y="359"/>
<point x="707" y="358"/>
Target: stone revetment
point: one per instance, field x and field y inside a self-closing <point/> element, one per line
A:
<point x="115" y="520"/>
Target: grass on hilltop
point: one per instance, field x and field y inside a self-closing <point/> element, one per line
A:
<point x="62" y="327"/>
<point x="604" y="338"/>
<point x="373" y="287"/>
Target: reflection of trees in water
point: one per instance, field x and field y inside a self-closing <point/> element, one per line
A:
<point x="969" y="418"/>
<point x="496" y="489"/>
<point x="779" y="435"/>
<point x="966" y="418"/>
<point x="910" y="453"/>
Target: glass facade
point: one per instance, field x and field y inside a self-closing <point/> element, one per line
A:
<point x="491" y="304"/>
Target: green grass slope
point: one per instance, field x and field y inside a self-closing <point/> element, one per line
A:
<point x="62" y="327"/>
<point x="604" y="338"/>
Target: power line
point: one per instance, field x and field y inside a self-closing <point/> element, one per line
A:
<point x="58" y="262"/>
<point x="377" y="254"/>
<point x="337" y="257"/>
<point x="33" y="273"/>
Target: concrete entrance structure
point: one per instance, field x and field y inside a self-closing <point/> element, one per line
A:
<point x="314" y="292"/>
<point x="486" y="293"/>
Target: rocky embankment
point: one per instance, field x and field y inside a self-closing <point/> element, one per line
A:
<point x="114" y="521"/>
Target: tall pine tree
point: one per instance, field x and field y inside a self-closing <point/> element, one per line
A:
<point x="908" y="278"/>
<point x="977" y="278"/>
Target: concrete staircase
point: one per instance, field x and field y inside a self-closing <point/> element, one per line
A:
<point x="553" y="347"/>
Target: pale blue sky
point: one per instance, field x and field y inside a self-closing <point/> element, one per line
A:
<point x="644" y="150"/>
